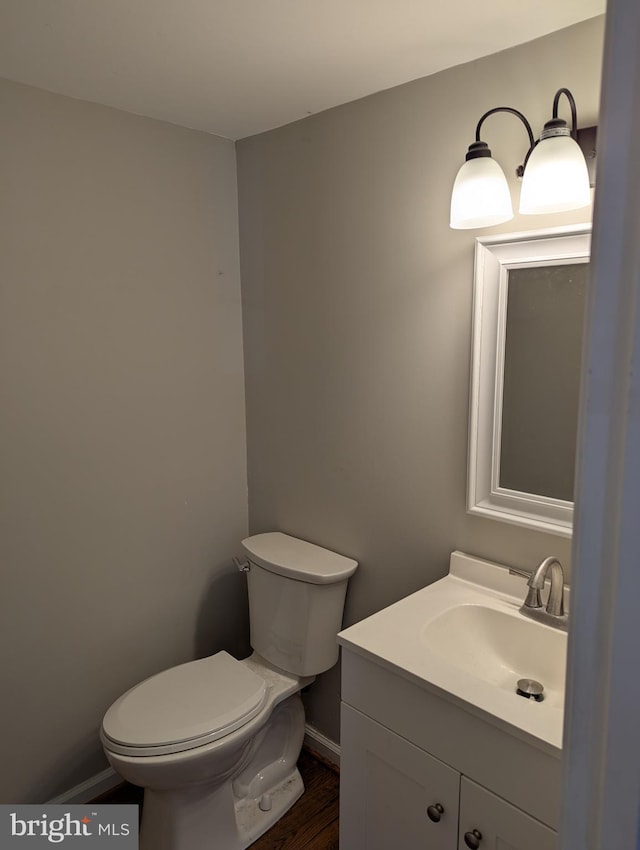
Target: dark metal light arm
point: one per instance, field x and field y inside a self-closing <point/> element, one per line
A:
<point x="572" y="105"/>
<point x="513" y="112"/>
<point x="520" y="169"/>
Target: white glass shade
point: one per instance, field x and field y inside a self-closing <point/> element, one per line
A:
<point x="555" y="178"/>
<point x="480" y="196"/>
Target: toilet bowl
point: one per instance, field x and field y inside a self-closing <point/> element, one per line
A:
<point x="206" y="789"/>
<point x="215" y="742"/>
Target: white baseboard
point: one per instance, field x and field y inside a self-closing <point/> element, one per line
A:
<point x="90" y="788"/>
<point x="324" y="746"/>
<point x="108" y="778"/>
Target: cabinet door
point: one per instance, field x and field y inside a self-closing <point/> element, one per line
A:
<point x="387" y="786"/>
<point x="500" y="825"/>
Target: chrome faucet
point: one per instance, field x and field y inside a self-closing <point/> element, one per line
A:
<point x="553" y="614"/>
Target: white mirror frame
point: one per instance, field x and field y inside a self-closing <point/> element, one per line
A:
<point x="494" y="257"/>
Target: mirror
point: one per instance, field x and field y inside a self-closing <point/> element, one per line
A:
<point x="528" y="320"/>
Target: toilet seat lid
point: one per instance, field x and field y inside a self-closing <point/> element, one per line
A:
<point x="186" y="706"/>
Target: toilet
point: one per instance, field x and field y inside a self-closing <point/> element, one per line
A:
<point x="215" y="742"/>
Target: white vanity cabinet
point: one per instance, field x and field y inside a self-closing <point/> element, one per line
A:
<point x="420" y="771"/>
<point x="395" y="795"/>
<point x="500" y="825"/>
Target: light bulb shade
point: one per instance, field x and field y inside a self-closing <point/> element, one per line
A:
<point x="480" y="196"/>
<point x="556" y="178"/>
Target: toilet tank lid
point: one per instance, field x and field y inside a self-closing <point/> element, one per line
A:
<point x="288" y="556"/>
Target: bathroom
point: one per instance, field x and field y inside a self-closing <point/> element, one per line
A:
<point x="159" y="413"/>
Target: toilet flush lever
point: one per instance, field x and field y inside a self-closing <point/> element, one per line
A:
<point x="243" y="566"/>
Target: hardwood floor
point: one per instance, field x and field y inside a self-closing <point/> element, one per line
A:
<point x="311" y="824"/>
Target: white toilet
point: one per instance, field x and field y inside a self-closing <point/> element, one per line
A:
<point x="215" y="742"/>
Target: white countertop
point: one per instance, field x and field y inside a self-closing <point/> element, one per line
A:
<point x="437" y="637"/>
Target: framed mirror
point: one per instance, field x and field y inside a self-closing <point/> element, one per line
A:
<point x="528" y="320"/>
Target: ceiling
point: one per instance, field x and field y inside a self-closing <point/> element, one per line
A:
<point x="239" y="67"/>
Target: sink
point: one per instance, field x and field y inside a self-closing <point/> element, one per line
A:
<point x="463" y="637"/>
<point x="500" y="647"/>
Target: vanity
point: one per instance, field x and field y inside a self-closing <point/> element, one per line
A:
<point x="438" y="749"/>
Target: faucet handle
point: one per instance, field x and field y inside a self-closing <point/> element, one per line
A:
<point x="514" y="571"/>
<point x="533" y="600"/>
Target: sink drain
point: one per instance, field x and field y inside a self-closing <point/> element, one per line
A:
<point x="530" y="689"/>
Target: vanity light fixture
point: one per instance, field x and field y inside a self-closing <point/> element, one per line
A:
<point x="554" y="174"/>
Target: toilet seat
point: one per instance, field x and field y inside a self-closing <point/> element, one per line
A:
<point x="184" y="707"/>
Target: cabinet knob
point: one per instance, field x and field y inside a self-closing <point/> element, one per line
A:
<point x="435" y="812"/>
<point x="472" y="839"/>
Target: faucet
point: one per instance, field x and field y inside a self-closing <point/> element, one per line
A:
<point x="553" y="614"/>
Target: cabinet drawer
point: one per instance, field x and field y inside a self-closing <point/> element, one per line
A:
<point x="387" y="787"/>
<point x="501" y="825"/>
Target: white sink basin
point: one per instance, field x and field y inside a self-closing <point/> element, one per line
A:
<point x="500" y="647"/>
<point x="464" y="637"/>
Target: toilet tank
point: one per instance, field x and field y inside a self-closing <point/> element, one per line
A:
<point x="296" y="600"/>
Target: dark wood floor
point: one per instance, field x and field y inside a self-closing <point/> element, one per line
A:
<point x="311" y="824"/>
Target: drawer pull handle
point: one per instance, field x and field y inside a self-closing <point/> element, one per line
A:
<point x="472" y="839"/>
<point x="435" y="812"/>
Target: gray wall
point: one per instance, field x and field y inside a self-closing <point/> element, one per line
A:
<point x="122" y="435"/>
<point x="357" y="311"/>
